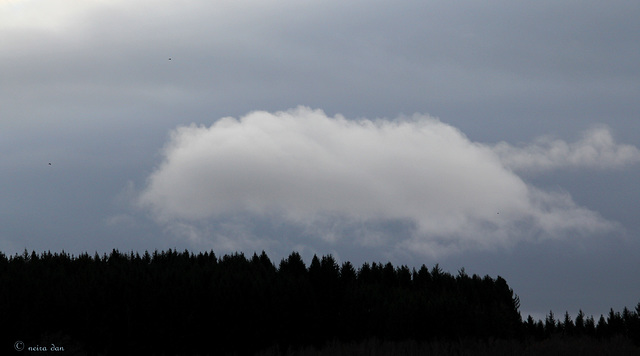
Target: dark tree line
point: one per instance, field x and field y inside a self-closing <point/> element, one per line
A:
<point x="182" y="303"/>
<point x="625" y="324"/>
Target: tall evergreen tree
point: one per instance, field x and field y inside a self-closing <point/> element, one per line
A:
<point x="567" y="324"/>
<point x="580" y="323"/>
<point x="550" y="325"/>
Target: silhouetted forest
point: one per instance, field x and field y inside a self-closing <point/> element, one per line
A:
<point x="179" y="303"/>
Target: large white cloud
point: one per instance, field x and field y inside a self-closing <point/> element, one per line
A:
<point x="307" y="169"/>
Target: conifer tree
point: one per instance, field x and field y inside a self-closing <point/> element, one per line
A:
<point x="550" y="326"/>
<point x="580" y="323"/>
<point x="602" y="329"/>
<point x="590" y="326"/>
<point x="567" y="324"/>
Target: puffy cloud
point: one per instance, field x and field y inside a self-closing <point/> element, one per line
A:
<point x="331" y="175"/>
<point x="596" y="149"/>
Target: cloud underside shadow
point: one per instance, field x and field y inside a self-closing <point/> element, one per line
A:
<point x="349" y="181"/>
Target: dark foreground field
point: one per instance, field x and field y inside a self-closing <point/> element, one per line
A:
<point x="557" y="346"/>
<point x="178" y="303"/>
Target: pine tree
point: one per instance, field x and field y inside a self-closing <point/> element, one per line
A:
<point x="422" y="277"/>
<point x="550" y="326"/>
<point x="602" y="329"/>
<point x="347" y="273"/>
<point x="403" y="276"/>
<point x="567" y="324"/>
<point x="590" y="326"/>
<point x="615" y="323"/>
<point x="580" y="326"/>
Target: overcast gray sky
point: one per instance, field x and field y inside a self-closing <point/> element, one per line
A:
<point x="497" y="136"/>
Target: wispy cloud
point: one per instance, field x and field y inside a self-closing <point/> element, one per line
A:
<point x="331" y="174"/>
<point x="596" y="149"/>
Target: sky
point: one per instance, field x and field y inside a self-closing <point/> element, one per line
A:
<point x="501" y="137"/>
